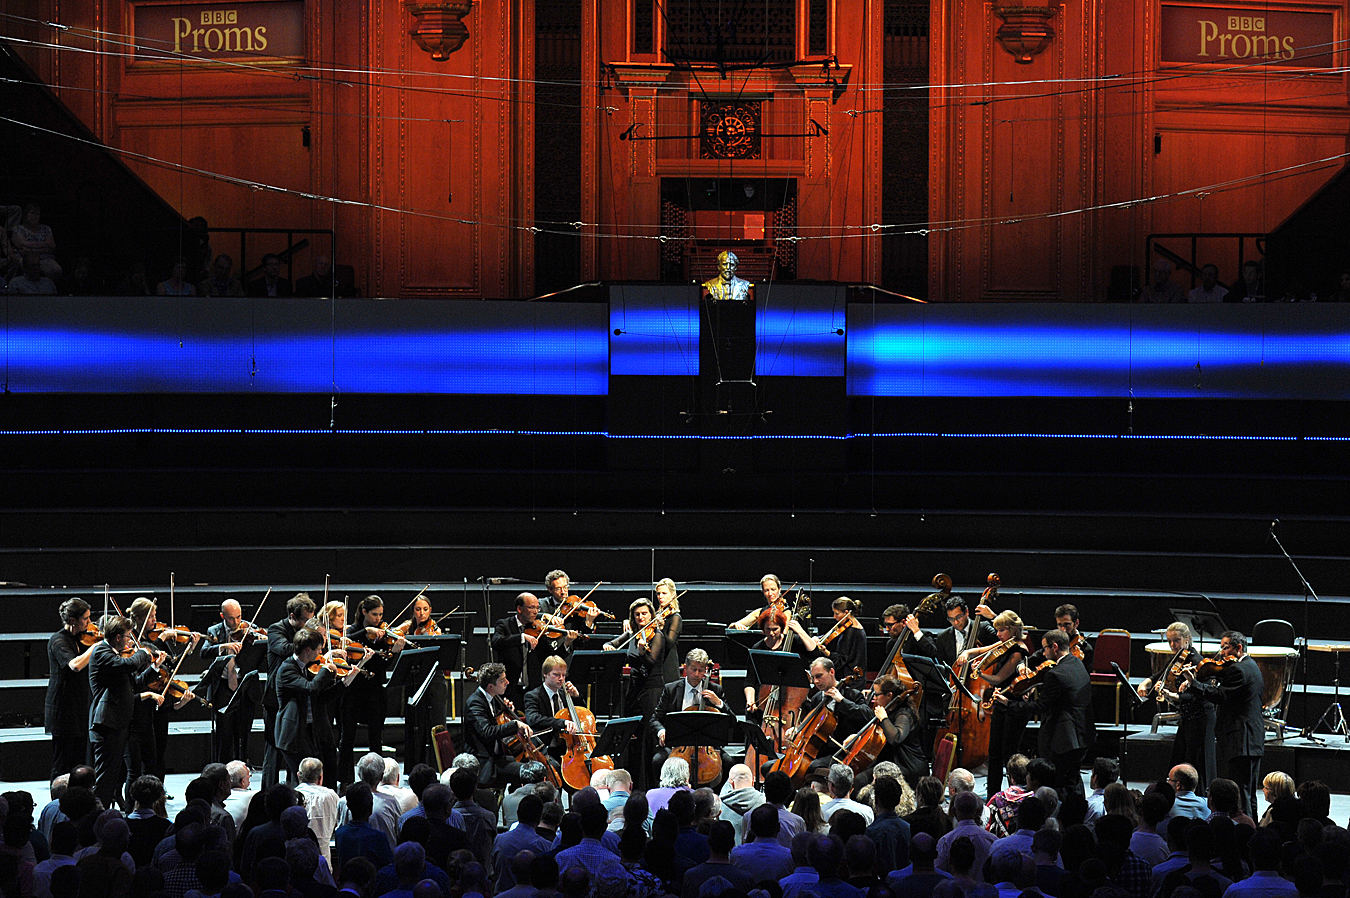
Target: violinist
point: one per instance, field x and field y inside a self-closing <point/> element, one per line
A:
<point x="298" y="611"/>
<point x="1194" y="742"/>
<point x="523" y="652"/>
<point x="113" y="697"/>
<point x="149" y="739"/>
<point x="997" y="664"/>
<point x="692" y="690"/>
<point x="547" y="700"/>
<point x="847" y="704"/>
<point x="223" y="648"/>
<point x="66" y="715"/>
<point x="1065" y="707"/>
<point x="365" y="695"/>
<point x="1238" y="726"/>
<point x="432" y="710"/>
<point x="666" y="592"/>
<point x="646" y="660"/>
<point x="1066" y="619"/>
<point x="558" y="586"/>
<point x="772" y="590"/>
<point x="331" y="625"/>
<point x="848" y="650"/>
<point x="299" y="721"/>
<point x="483" y="733"/>
<point x="900" y="722"/>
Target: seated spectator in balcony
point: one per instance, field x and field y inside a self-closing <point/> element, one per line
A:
<point x="176" y="284"/>
<point x="30" y="235"/>
<point x="1249" y="287"/>
<point x="325" y="278"/>
<point x="1209" y="289"/>
<point x="32" y="282"/>
<point x="271" y="283"/>
<point x="136" y="283"/>
<point x="83" y="280"/>
<point x="1162" y="288"/>
<point x="221" y="282"/>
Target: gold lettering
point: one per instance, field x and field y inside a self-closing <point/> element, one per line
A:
<point x="196" y="37"/>
<point x="1223" y="48"/>
<point x="1267" y="45"/>
<point x="1208" y="32"/>
<point x="260" y="37"/>
<point x="1247" y="41"/>
<point x="1258" y="24"/>
<point x="231" y="16"/>
<point x="1288" y="48"/>
<point x="219" y="37"/>
<point x="1234" y="23"/>
<point x="239" y="39"/>
<point x="181" y="29"/>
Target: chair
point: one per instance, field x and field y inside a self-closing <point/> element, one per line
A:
<point x="444" y="747"/>
<point x="1275" y="632"/>
<point x="943" y="756"/>
<point x="1111" y="645"/>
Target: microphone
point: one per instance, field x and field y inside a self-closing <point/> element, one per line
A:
<point x="1273" y="524"/>
<point x="498" y="581"/>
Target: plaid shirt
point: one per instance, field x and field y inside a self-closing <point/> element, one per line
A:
<point x="1135" y="874"/>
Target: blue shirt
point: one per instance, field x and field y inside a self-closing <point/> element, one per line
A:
<point x="908" y="884"/>
<point x="1188" y="804"/>
<point x="833" y="887"/>
<point x="596" y="858"/>
<point x="510" y="843"/>
<point x="763" y="859"/>
<point x="1262" y="884"/>
<point x="360" y="840"/>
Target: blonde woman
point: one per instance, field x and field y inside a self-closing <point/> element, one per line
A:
<point x="997" y="665"/>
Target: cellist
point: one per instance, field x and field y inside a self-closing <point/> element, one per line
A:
<point x="484" y="736"/>
<point x="846" y="703"/>
<point x="903" y="729"/>
<point x="544" y="702"/>
<point x="689" y="691"/>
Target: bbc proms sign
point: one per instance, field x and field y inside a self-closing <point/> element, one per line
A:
<point x="261" y="30"/>
<point x="1232" y="36"/>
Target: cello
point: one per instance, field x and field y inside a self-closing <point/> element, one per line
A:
<point x="525" y="749"/>
<point x="779" y="705"/>
<point x="863" y="749"/>
<point x="967" y="722"/>
<point x="814" y="735"/>
<point x="705" y="761"/>
<point x="577" y="762"/>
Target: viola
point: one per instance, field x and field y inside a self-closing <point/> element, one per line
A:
<point x="1026" y="680"/>
<point x="166" y="634"/>
<point x="581" y="605"/>
<point x="578" y="763"/>
<point x="170" y="688"/>
<point x="705" y="761"/>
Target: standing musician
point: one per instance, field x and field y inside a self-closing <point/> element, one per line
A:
<point x="559" y="586"/>
<point x="66" y="714"/>
<point x="1006" y="726"/>
<point x="298" y="610"/>
<point x="848" y="705"/>
<point x="113" y="695"/>
<point x="1065" y="707"/>
<point x="1194" y="742"/>
<point x="646" y="654"/>
<point x="903" y="728"/>
<point x="432" y="710"/>
<point x="365" y="696"/>
<point x="666" y="592"/>
<point x="299" y="720"/>
<point x="848" y="650"/>
<point x="485" y="735"/>
<point x="898" y="623"/>
<point x="1066" y="619"/>
<point x="684" y="693"/>
<point x="547" y="700"/>
<point x="329" y="703"/>
<point x="948" y="645"/>
<point x="223" y="648"/>
<point x="772" y="589"/>
<point x="523" y="653"/>
<point x="149" y="740"/>
<point x="1238" y="726"/>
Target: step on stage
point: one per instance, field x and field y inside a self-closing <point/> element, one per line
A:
<point x="1148" y="756"/>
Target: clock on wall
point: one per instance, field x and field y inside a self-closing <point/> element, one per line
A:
<point x="729" y="130"/>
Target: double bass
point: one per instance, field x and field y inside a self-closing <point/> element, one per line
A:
<point x="967" y="721"/>
<point x="894" y="665"/>
<point x="780" y="704"/>
<point x="705" y="761"/>
<point x="577" y="762"/>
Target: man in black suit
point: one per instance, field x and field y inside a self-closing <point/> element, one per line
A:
<point x="67" y="711"/>
<point x="1238" y="726"/>
<point x="848" y="705"/>
<point x="484" y="736"/>
<point x="1065" y="706"/>
<point x="956" y="638"/>
<point x="271" y="283"/>
<point x="543" y="703"/>
<point x="689" y="691"/>
<point x="297" y="722"/>
<point x="298" y="610"/>
<point x="230" y="664"/>
<point x="522" y="653"/>
<point x="113" y="696"/>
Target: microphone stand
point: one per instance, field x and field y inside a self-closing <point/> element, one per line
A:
<point x="1308" y="594"/>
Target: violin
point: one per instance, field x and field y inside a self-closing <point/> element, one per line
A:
<point x="578" y="763"/>
<point x="166" y="634"/>
<point x="90" y="637"/>
<point x="1211" y="667"/>
<point x="541" y="630"/>
<point x="580" y="605"/>
<point x="344" y="667"/>
<point x="170" y="688"/>
<point x="1076" y="646"/>
<point x="843" y="624"/>
<point x="430" y="628"/>
<point x="1026" y="680"/>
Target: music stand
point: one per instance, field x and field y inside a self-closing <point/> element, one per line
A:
<point x="775" y="669"/>
<point x="618" y="734"/>
<point x="461" y="617"/>
<point x="925" y="671"/>
<point x="878" y="647"/>
<point x="414" y="670"/>
<point x="598" y="668"/>
<point x="1201" y="623"/>
<point x="698" y="728"/>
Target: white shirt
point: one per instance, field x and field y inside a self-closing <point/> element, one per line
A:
<point x="1200" y="294"/>
<point x="237" y="804"/>
<point x="321" y="804"/>
<point x="406" y="798"/>
<point x="827" y="808"/>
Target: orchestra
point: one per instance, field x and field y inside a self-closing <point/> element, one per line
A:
<point x="323" y="675"/>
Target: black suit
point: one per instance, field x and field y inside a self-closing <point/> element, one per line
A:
<point x="279" y="637"/>
<point x="113" y="696"/>
<point x="300" y="718"/>
<point x="483" y="737"/>
<point x="258" y="287"/>
<point x="364" y="701"/>
<point x="522" y="666"/>
<point x="1065" y="706"/>
<point x="66" y="715"/>
<point x="1238" y="727"/>
<point x="230" y="739"/>
<point x="943" y="645"/>
<point x="850" y="715"/>
<point x="539" y="713"/>
<point x="673" y="698"/>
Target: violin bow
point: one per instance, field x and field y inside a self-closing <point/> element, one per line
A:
<point x="171" y="617"/>
<point x="169" y="682"/>
<point x="447" y="614"/>
<point x="413" y="599"/>
<point x="260" y="604"/>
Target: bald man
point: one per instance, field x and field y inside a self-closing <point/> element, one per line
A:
<point x="230" y="666"/>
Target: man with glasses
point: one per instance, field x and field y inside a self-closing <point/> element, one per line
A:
<point x="1239" y="728"/>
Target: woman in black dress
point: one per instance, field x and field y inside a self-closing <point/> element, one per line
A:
<point x="1194" y="743"/>
<point x="647" y="653"/>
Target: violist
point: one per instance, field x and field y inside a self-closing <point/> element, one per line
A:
<point x="431" y="711"/>
<point x="1194" y="743"/>
<point x="365" y="696"/>
<point x="647" y="652"/>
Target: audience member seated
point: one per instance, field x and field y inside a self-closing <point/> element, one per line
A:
<point x="1209" y="290"/>
<point x="358" y="838"/>
<point x="176" y="284"/>
<point x="1162" y="288"/>
<point x="222" y="281"/>
<point x="762" y="855"/>
<point x="83" y="280"/>
<point x="137" y="282"/>
<point x="271" y="283"/>
<point x="32" y="236"/>
<point x="32" y="282"/>
<point x="966" y="807"/>
<point x="322" y="282"/>
<point x="1249" y="287"/>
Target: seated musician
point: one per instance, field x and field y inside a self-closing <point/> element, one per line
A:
<point x="846" y="703"/>
<point x="691" y="692"/>
<point x="775" y="628"/>
<point x="485" y="736"/>
<point x="903" y="729"/>
<point x="543" y="704"/>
